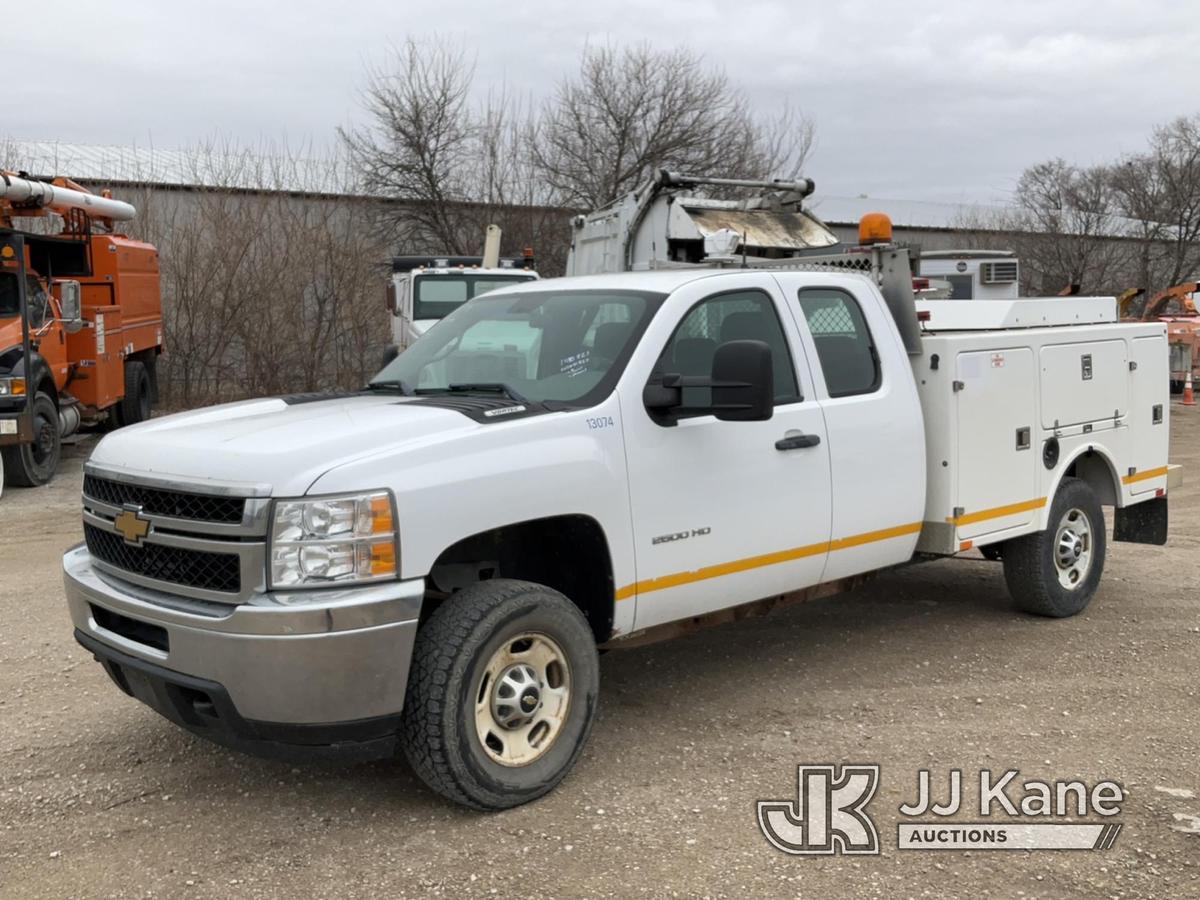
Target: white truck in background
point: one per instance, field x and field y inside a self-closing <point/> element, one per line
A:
<point x="431" y="566"/>
<point x="973" y="274"/>
<point x="425" y="289"/>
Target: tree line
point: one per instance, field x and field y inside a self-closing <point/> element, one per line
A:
<point x="457" y="163"/>
<point x="1133" y="222"/>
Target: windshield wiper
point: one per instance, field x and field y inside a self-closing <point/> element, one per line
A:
<point x="477" y="387"/>
<point x="395" y="385"/>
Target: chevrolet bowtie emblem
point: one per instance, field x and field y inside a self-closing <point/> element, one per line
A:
<point x="132" y="526"/>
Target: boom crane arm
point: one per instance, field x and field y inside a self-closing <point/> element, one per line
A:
<point x="22" y="195"/>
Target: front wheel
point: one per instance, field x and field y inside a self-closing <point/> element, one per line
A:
<point x="501" y="694"/>
<point x="1056" y="572"/>
<point x="34" y="464"/>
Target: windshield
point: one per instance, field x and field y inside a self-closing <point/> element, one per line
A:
<point x="567" y="346"/>
<point x="436" y="296"/>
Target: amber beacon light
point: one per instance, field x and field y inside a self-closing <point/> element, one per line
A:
<point x="875" y="228"/>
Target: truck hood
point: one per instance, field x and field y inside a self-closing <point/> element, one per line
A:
<point x="420" y="326"/>
<point x="281" y="444"/>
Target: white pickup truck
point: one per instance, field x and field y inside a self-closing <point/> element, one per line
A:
<point x="432" y="564"/>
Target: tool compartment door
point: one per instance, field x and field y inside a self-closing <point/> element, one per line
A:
<point x="1086" y="382"/>
<point x="1149" y="409"/>
<point x="996" y="409"/>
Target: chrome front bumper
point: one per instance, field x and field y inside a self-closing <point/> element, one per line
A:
<point x="305" y="658"/>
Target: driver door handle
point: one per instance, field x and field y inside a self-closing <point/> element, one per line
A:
<point x="798" y="442"/>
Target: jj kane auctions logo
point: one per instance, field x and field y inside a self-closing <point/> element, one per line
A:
<point x="830" y="816"/>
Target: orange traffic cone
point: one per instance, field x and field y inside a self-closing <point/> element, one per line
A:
<point x="1189" y="399"/>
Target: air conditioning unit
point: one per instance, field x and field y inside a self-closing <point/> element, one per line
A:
<point x="1003" y="271"/>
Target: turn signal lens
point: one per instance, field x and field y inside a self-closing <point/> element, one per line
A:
<point x="381" y="514"/>
<point x="12" y="387"/>
<point x="382" y="559"/>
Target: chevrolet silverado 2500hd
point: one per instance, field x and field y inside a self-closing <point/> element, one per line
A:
<point x="431" y="564"/>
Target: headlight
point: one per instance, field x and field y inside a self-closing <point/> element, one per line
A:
<point x="333" y="540"/>
<point x="12" y="387"/>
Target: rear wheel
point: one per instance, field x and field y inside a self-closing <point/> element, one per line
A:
<point x="501" y="695"/>
<point x="134" y="407"/>
<point x="1056" y="572"/>
<point x="34" y="464"/>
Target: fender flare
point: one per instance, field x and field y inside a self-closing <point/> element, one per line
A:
<point x="1100" y="473"/>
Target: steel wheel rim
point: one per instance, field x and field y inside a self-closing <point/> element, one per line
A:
<point x="522" y="699"/>
<point x="1073" y="548"/>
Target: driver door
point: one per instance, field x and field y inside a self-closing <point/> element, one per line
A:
<point x="724" y="512"/>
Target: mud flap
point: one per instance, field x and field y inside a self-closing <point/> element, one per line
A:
<point x="1142" y="523"/>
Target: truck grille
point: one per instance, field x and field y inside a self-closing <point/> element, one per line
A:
<point x="190" y="568"/>
<point x="159" y="502"/>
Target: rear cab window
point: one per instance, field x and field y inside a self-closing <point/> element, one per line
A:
<point x="845" y="347"/>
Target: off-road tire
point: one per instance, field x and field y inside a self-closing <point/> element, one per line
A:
<point x="1030" y="566"/>
<point x="32" y="465"/>
<point x="134" y="407"/>
<point x="438" y="732"/>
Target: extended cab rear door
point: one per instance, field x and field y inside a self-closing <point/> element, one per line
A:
<point x="721" y="514"/>
<point x="876" y="437"/>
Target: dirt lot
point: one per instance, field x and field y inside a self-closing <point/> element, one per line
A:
<point x="928" y="667"/>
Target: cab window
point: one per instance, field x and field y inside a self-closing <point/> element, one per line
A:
<point x="844" y="344"/>
<point x="732" y="316"/>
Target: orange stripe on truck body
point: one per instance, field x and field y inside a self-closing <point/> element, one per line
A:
<point x="767" y="559"/>
<point x="1160" y="472"/>
<point x="997" y="512"/>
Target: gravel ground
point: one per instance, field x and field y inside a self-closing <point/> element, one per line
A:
<point x="926" y="668"/>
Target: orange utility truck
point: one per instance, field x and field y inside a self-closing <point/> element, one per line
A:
<point x="80" y="321"/>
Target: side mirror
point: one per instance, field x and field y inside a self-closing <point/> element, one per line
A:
<point x="742" y="386"/>
<point x="743" y="382"/>
<point x="391" y="297"/>
<point x="70" y="305"/>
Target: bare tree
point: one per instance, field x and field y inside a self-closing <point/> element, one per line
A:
<point x="1159" y="190"/>
<point x="448" y="164"/>
<point x="632" y="110"/>
<point x="1067" y="228"/>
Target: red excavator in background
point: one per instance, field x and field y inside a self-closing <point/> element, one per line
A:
<point x="80" y="321"/>
<point x="1176" y="306"/>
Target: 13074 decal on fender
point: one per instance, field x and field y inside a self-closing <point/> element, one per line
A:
<point x="681" y="535"/>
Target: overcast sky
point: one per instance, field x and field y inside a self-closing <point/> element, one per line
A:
<point x="945" y="100"/>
